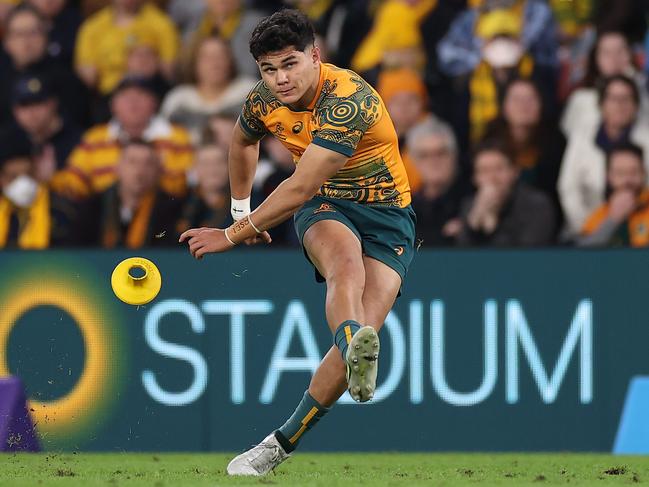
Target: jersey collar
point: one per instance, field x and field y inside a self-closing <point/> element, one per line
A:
<point x="318" y="90"/>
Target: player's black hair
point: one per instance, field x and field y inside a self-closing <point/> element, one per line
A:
<point x="286" y="28"/>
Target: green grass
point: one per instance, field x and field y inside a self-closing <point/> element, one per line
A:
<point x="384" y="469"/>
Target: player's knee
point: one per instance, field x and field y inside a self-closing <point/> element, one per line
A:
<point x="347" y="277"/>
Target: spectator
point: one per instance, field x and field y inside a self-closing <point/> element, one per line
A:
<point x="404" y="94"/>
<point x="503" y="59"/>
<point x="433" y="150"/>
<point x="395" y="39"/>
<point x="504" y="212"/>
<point x="208" y="205"/>
<point x="461" y="50"/>
<point x="31" y="216"/>
<point x="105" y="38"/>
<point x="582" y="179"/>
<point x="91" y="167"/>
<point x="212" y="87"/>
<point x="25" y="44"/>
<point x="64" y="21"/>
<point x="233" y="22"/>
<point x="35" y="109"/>
<point x="624" y="218"/>
<point x="135" y="212"/>
<point x="535" y="143"/>
<point x="610" y="56"/>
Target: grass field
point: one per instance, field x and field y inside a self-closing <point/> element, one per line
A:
<point x="158" y="470"/>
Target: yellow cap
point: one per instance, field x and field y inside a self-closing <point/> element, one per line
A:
<point x="499" y="22"/>
<point x="136" y="290"/>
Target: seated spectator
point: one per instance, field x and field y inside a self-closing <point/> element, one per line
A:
<point x="610" y="56"/>
<point x="25" y="43"/>
<point x="395" y="39"/>
<point x="404" y="94"/>
<point x="92" y="165"/>
<point x="503" y="59"/>
<point x="624" y="218"/>
<point x="229" y="20"/>
<point x="582" y="179"/>
<point x="534" y="141"/>
<point x="64" y="21"/>
<point x="105" y="37"/>
<point x="433" y="150"/>
<point x="208" y="205"/>
<point x="31" y="216"/>
<point x="461" y="50"/>
<point x="35" y="109"/>
<point x="504" y="212"/>
<point x="135" y="212"/>
<point x="212" y="87"/>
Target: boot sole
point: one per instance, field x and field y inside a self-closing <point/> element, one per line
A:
<point x="362" y="363"/>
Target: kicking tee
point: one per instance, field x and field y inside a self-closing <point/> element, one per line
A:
<point x="347" y="116"/>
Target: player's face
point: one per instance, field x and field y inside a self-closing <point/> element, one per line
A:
<point x="291" y="75"/>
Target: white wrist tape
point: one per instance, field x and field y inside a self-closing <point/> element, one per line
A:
<point x="253" y="225"/>
<point x="227" y="237"/>
<point x="239" y="208"/>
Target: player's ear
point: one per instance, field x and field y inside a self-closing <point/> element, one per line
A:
<point x="315" y="54"/>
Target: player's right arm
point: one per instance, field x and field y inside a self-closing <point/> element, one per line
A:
<point x="244" y="153"/>
<point x="242" y="162"/>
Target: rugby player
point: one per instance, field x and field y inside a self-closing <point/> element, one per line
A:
<point x="350" y="199"/>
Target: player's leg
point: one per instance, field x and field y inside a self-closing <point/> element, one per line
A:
<point x="382" y="285"/>
<point x="336" y="252"/>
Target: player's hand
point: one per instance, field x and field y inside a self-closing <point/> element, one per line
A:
<point x="263" y="237"/>
<point x="205" y="240"/>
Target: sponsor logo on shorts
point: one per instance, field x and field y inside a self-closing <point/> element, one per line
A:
<point x="399" y="250"/>
<point x="324" y="207"/>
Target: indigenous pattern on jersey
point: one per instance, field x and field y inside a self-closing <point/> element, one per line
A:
<point x="347" y="116"/>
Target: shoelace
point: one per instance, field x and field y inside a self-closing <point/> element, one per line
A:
<point x="262" y="447"/>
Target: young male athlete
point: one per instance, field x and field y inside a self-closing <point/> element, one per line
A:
<point x="351" y="200"/>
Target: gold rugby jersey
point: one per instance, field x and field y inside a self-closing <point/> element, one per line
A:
<point x="347" y="116"/>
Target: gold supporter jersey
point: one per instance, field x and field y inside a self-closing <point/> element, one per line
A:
<point x="347" y="116"/>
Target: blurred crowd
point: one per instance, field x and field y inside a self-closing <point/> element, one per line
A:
<point x="521" y="122"/>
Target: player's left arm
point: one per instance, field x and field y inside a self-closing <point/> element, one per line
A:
<point x="316" y="166"/>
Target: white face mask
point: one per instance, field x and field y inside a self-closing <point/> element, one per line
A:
<point x="502" y="53"/>
<point x="22" y="191"/>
